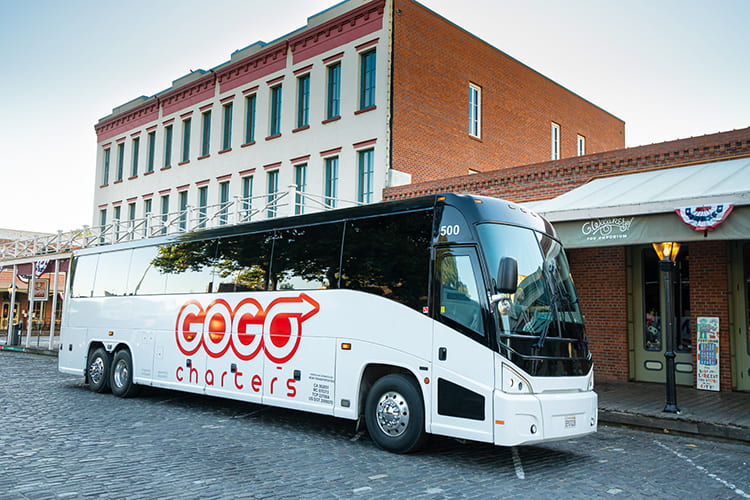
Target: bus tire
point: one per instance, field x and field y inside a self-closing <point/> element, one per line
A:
<point x="97" y="370"/>
<point x="121" y="375"/>
<point x="394" y="414"/>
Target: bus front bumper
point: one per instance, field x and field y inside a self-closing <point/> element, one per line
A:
<point x="531" y="418"/>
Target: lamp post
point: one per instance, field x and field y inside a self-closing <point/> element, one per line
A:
<point x="667" y="253"/>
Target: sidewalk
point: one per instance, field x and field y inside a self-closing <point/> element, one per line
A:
<point x="706" y="413"/>
<point x="38" y="345"/>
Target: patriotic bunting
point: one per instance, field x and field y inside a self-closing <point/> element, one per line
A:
<point x="705" y="217"/>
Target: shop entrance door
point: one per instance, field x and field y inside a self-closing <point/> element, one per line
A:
<point x="6" y="317"/>
<point x="740" y="324"/>
<point x="648" y="325"/>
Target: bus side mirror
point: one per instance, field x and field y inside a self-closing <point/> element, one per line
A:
<point x="507" y="275"/>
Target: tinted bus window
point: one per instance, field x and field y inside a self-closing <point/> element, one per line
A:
<point x="110" y="273"/>
<point x="144" y="277"/>
<point x="306" y="258"/>
<point x="83" y="277"/>
<point x="188" y="266"/>
<point x="242" y="262"/>
<point x="389" y="256"/>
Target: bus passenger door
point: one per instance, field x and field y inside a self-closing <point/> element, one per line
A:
<point x="463" y="367"/>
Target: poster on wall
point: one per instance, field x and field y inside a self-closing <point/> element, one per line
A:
<point x="41" y="289"/>
<point x="708" y="354"/>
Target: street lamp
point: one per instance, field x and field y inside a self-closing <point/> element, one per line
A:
<point x="667" y="252"/>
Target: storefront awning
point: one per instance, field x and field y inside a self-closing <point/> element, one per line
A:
<point x="658" y="191"/>
<point x="640" y="208"/>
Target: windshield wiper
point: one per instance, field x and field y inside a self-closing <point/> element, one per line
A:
<point x="554" y="297"/>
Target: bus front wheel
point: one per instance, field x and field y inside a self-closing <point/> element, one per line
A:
<point x="394" y="414"/>
<point x="121" y="375"/>
<point x="97" y="370"/>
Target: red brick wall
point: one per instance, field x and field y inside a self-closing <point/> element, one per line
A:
<point x="600" y="277"/>
<point x="709" y="296"/>
<point x="433" y="63"/>
<point x="552" y="178"/>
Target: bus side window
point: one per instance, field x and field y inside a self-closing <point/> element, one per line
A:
<point x="144" y="278"/>
<point x="109" y="273"/>
<point x="389" y="256"/>
<point x="188" y="266"/>
<point x="83" y="278"/>
<point x="306" y="258"/>
<point x="459" y="294"/>
<point x="242" y="263"/>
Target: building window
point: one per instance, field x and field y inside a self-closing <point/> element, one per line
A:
<point x="300" y="179"/>
<point x="120" y="160"/>
<point x="250" y="119"/>
<point x="333" y="98"/>
<point x="224" y="202"/>
<point x="555" y="141"/>
<point x="303" y="101"/>
<point x="164" y="213"/>
<point x="183" y="202"/>
<point x="275" y="123"/>
<point x="131" y="219"/>
<point x="247" y="197"/>
<point x="206" y="139"/>
<point x="146" y="216"/>
<point x="116" y="222"/>
<point x="367" y="80"/>
<point x="331" y="180"/>
<point x="365" y="174"/>
<point x="202" y="206"/>
<point x="475" y="110"/>
<point x="105" y="169"/>
<point x="168" y="146"/>
<point x="135" y="150"/>
<point x="103" y="217"/>
<point x="273" y="189"/>
<point x="186" y="139"/>
<point x="151" y="151"/>
<point x="581" y="142"/>
<point x="226" y="137"/>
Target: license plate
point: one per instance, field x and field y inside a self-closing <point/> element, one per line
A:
<point x="570" y="421"/>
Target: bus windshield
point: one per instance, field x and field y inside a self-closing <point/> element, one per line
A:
<point x="540" y="325"/>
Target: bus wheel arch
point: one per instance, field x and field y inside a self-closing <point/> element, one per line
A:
<point x="394" y="408"/>
<point x="98" y="367"/>
<point x="121" y="374"/>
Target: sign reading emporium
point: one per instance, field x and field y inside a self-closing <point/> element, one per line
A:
<point x="613" y="228"/>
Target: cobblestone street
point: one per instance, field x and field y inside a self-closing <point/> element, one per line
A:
<point x="59" y="440"/>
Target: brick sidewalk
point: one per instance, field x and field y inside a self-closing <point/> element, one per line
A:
<point x="715" y="414"/>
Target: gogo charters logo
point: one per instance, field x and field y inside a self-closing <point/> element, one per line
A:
<point x="246" y="329"/>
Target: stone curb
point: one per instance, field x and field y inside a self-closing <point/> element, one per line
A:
<point x="684" y="425"/>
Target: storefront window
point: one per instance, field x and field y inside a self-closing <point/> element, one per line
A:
<point x="652" y="297"/>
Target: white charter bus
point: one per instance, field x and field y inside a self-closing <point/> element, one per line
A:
<point x="451" y="314"/>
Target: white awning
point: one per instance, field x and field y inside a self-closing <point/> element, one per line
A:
<point x="657" y="191"/>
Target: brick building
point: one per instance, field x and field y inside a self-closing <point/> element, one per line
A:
<point x="608" y="209"/>
<point x="367" y="95"/>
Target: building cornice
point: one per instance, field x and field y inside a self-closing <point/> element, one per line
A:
<point x="269" y="60"/>
<point x="343" y="29"/>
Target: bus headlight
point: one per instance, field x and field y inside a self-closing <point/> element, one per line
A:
<point x="513" y="383"/>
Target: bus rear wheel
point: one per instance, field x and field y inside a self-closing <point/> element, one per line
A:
<point x="97" y="370"/>
<point x="121" y="375"/>
<point x="394" y="414"/>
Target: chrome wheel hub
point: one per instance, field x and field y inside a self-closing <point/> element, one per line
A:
<point x="96" y="370"/>
<point x="120" y="374"/>
<point x="392" y="414"/>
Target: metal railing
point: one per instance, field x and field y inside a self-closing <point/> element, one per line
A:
<point x="237" y="211"/>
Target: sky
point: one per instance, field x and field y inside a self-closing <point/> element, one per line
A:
<point x="670" y="69"/>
